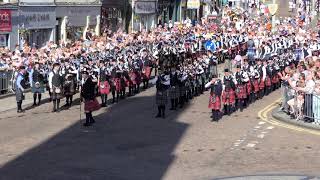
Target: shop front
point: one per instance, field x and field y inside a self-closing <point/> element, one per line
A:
<point x="114" y="14"/>
<point x="145" y="16"/>
<point x="74" y="21"/>
<point x="9" y="27"/>
<point x="37" y="25"/>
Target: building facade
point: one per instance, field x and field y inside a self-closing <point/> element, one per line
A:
<point x="144" y="15"/>
<point x="75" y="17"/>
<point x="115" y="14"/>
<point x="37" y="21"/>
<point x="9" y="23"/>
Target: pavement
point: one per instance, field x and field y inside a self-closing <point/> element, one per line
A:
<point x="282" y="116"/>
<point x="9" y="101"/>
<point x="127" y="142"/>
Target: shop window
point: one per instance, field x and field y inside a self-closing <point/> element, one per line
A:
<point x="4" y="40"/>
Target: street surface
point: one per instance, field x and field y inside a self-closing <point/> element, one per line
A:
<point x="128" y="143"/>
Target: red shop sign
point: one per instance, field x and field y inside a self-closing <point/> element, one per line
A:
<point x="5" y="20"/>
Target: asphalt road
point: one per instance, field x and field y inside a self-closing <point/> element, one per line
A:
<point x="128" y="143"/>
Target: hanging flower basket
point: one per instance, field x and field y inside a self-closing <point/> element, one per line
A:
<point x="24" y="32"/>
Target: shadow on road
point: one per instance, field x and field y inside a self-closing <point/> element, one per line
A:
<point x="126" y="142"/>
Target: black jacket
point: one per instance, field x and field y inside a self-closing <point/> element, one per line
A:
<point x="88" y="90"/>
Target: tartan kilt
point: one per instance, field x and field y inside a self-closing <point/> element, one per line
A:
<point x="133" y="78"/>
<point x="174" y="92"/>
<point x="261" y="84"/>
<point x="117" y="82"/>
<point x="275" y="79"/>
<point x="228" y="97"/>
<point x="256" y="85"/>
<point x="161" y="98"/>
<point x="249" y="88"/>
<point x="214" y="102"/>
<point x="56" y="96"/>
<point x="104" y="87"/>
<point x="147" y="73"/>
<point x="138" y="77"/>
<point x="241" y="92"/>
<point x="268" y="82"/>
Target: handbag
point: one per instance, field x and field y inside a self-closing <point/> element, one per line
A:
<point x="92" y="105"/>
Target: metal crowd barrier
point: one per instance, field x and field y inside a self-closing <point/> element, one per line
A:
<point x="6" y="79"/>
<point x="306" y="107"/>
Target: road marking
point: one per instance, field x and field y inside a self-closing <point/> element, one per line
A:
<point x="261" y="136"/>
<point x="270" y="127"/>
<point x="251" y="145"/>
<point x="263" y="116"/>
<point x="264" y="132"/>
<point x="257" y="127"/>
<point x="261" y="123"/>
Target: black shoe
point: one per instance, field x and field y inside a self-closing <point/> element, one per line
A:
<point x="158" y="116"/>
<point x="92" y="121"/>
<point x="20" y="111"/>
<point x="86" y="124"/>
<point x="34" y="104"/>
<point x="54" y="110"/>
<point x="103" y="105"/>
<point x="58" y="110"/>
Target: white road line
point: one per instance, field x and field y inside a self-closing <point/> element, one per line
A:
<point x="270" y="127"/>
<point x="261" y="123"/>
<point x="265" y="132"/>
<point x="257" y="127"/>
<point x="251" y="145"/>
<point x="261" y="136"/>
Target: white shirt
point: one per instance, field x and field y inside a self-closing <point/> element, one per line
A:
<point x="310" y="84"/>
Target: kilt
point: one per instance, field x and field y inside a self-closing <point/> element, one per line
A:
<point x="248" y="87"/>
<point x="104" y="87"/>
<point x="37" y="90"/>
<point x="91" y="105"/>
<point x="174" y="92"/>
<point x="19" y="95"/>
<point x="161" y="98"/>
<point x="256" y="85"/>
<point x="261" y="85"/>
<point x="138" y="77"/>
<point x="128" y="82"/>
<point x="54" y="95"/>
<point x="117" y="82"/>
<point x="241" y="91"/>
<point x="268" y="81"/>
<point x="214" y="102"/>
<point x="133" y="78"/>
<point x="69" y="88"/>
<point x="228" y="97"/>
<point x="275" y="79"/>
<point x="147" y="73"/>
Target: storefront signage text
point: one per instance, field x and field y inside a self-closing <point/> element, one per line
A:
<point x="37" y="17"/>
<point x="5" y="20"/>
<point x="193" y="4"/>
<point x="145" y="7"/>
